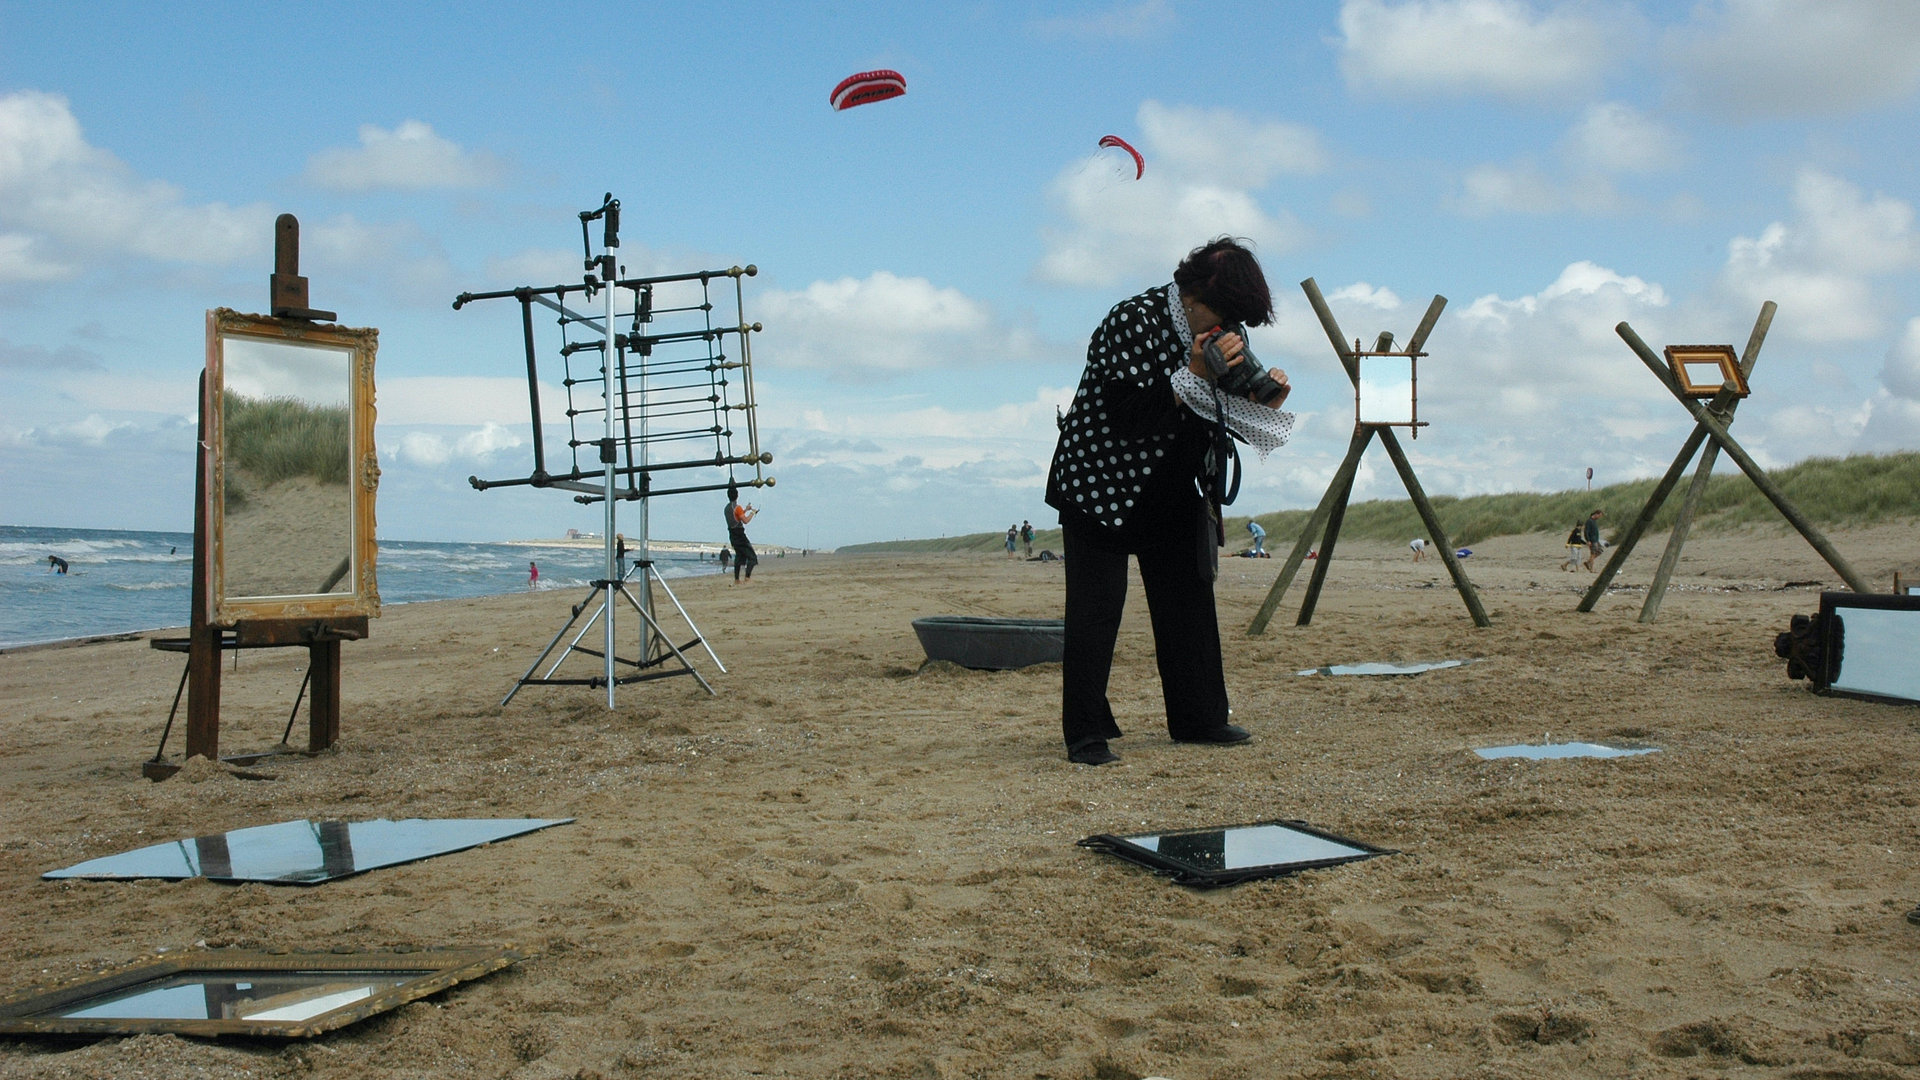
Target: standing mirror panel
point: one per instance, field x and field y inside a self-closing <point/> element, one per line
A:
<point x="1386" y="390"/>
<point x="294" y="468"/>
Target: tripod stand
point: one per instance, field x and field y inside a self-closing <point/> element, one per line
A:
<point x="656" y="646"/>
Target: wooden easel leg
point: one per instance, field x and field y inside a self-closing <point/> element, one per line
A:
<point x="1335" y="516"/>
<point x="1342" y="477"/>
<point x="203" y="641"/>
<point x="323" y="710"/>
<point x="1670" y="558"/>
<point x="1434" y="529"/>
<point x="1640" y="524"/>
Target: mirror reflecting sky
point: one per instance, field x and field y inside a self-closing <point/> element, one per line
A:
<point x="1385" y="668"/>
<point x="1879" y="652"/>
<point x="1543" y="751"/>
<point x="259" y="368"/>
<point x="1245" y="846"/>
<point x="1386" y="390"/>
<point x="237" y="995"/>
<point x="304" y="852"/>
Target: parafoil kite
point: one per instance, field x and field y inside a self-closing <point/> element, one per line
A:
<point x="867" y="88"/>
<point x="1139" y="163"/>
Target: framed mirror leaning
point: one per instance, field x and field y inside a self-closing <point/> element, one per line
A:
<point x="292" y="469"/>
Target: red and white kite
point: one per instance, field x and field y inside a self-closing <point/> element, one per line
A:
<point x="867" y="88"/>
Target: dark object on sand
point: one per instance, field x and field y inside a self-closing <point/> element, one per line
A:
<point x="1212" y="856"/>
<point x="1858" y="645"/>
<point x="994" y="644"/>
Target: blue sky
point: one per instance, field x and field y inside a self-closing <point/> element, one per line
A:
<point x="931" y="266"/>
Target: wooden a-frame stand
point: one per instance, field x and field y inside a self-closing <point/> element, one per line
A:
<point x="1333" y="505"/>
<point x="1710" y="422"/>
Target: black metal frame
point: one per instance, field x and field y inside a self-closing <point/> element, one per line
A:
<point x="1833" y="647"/>
<point x="1185" y="873"/>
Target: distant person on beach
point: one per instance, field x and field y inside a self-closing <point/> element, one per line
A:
<point x="533" y="574"/>
<point x="1259" y="538"/>
<point x="1576" y="544"/>
<point x="1419" y="546"/>
<point x="726" y="557"/>
<point x="1013" y="534"/>
<point x="737" y="518"/>
<point x="1026" y="536"/>
<point x="620" y="554"/>
<point x="1591" y="534"/>
<point x="56" y="564"/>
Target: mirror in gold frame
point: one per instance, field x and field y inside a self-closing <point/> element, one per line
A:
<point x="292" y="468"/>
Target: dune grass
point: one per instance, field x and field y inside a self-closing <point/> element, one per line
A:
<point x="275" y="439"/>
<point x="1863" y="489"/>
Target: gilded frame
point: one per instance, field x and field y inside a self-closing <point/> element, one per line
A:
<point x="361" y="344"/>
<point x="36" y="1012"/>
<point x="1722" y="356"/>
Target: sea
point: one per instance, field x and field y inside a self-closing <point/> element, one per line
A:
<point x="123" y="581"/>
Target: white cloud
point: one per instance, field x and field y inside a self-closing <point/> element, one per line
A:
<point x="1204" y="167"/>
<point x="59" y="193"/>
<point x="883" y="323"/>
<point x="408" y="158"/>
<point x="1526" y="189"/>
<point x="462" y="399"/>
<point x="1901" y="374"/>
<point x="1382" y="298"/>
<point x="1754" y="58"/>
<point x="1819" y="268"/>
<point x="1468" y="47"/>
<point x="1614" y="137"/>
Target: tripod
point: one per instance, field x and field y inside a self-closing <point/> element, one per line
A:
<point x="656" y="646"/>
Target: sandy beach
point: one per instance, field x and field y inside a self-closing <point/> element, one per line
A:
<point x="848" y="865"/>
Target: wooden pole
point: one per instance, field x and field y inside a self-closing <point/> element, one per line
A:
<point x="1327" y="543"/>
<point x="1640" y="524"/>
<point x="203" y="638"/>
<point x="1434" y="528"/>
<point x="323" y="710"/>
<point x="1348" y="466"/>
<point x="1327" y="323"/>
<point x="1761" y="480"/>
<point x="1723" y="404"/>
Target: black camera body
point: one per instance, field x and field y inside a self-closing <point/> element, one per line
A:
<point x="1247" y="379"/>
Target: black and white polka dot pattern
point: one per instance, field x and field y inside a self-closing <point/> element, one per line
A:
<point x="1109" y="463"/>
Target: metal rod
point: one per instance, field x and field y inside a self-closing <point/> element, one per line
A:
<point x="624" y="283"/>
<point x="1752" y="468"/>
<point x="533" y="386"/>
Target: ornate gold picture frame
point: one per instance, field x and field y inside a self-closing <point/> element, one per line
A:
<point x="292" y="470"/>
<point x="1703" y="371"/>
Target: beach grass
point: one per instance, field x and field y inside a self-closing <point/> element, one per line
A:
<point x="1862" y="489"/>
<point x="275" y="439"/>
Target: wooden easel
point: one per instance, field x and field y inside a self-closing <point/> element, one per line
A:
<point x="1333" y="505"/>
<point x="1710" y="422"/>
<point x="205" y="640"/>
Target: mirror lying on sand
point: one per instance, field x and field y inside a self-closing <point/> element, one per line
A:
<point x="1545" y="751"/>
<point x="304" y="852"/>
<point x="290" y="407"/>
<point x="1384" y="668"/>
<point x="1858" y="645"/>
<point x="1213" y="856"/>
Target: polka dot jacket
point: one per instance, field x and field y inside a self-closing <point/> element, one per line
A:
<point x="1129" y="451"/>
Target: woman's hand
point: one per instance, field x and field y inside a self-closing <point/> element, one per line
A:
<point x="1230" y="347"/>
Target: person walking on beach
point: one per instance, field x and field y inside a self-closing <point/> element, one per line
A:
<point x="1013" y="534"/>
<point x="533" y="574"/>
<point x="56" y="564"/>
<point x="1259" y="539"/>
<point x="1130" y="410"/>
<point x="1419" y="546"/>
<point x="737" y="518"/>
<point x="1026" y="536"/>
<point x="1591" y="534"/>
<point x="1576" y="543"/>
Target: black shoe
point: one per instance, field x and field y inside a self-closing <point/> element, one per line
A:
<point x="1093" y="753"/>
<point x="1224" y="735"/>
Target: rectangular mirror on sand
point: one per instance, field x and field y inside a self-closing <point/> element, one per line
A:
<point x="1547" y="751"/>
<point x="212" y="992"/>
<point x="292" y="468"/>
<point x="304" y="852"/>
<point x="1386" y="668"/>
<point x="1212" y="856"/>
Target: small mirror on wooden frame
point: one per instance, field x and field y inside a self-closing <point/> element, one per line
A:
<point x="292" y="468"/>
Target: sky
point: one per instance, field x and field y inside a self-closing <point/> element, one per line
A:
<point x="931" y="266"/>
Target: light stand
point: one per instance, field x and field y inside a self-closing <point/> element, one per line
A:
<point x="631" y="400"/>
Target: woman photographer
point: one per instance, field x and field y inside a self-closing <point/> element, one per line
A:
<point x="1129" y="478"/>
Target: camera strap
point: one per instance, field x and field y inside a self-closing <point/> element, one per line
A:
<point x="1220" y="455"/>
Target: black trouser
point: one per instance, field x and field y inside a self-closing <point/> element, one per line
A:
<point x="1186" y="638"/>
<point x="743" y="556"/>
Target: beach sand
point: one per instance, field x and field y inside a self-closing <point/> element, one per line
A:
<point x="845" y="865"/>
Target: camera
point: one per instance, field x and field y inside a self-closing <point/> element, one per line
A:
<point x="1247" y="379"/>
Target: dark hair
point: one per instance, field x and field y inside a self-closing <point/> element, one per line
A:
<point x="1223" y="274"/>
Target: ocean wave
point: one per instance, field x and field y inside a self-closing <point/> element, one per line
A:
<point x="147" y="586"/>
